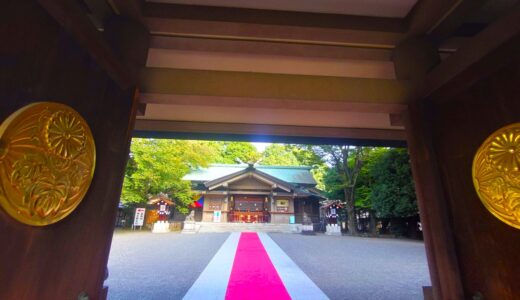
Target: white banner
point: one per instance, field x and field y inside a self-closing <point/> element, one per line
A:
<point x="139" y="216"/>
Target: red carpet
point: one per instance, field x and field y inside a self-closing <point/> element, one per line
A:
<point x="253" y="275"/>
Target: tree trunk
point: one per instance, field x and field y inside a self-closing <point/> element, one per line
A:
<point x="384" y="226"/>
<point x="351" y="211"/>
<point x="373" y="224"/>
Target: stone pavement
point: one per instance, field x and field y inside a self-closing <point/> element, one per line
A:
<point x="172" y="266"/>
<point x="357" y="268"/>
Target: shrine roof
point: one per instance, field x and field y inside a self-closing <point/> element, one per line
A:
<point x="291" y="174"/>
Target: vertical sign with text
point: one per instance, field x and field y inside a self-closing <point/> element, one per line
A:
<point x="139" y="216"/>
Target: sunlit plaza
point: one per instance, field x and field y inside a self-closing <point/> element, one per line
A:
<point x="143" y="265"/>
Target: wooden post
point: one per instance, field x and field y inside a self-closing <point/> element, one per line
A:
<point x="413" y="59"/>
<point x="438" y="237"/>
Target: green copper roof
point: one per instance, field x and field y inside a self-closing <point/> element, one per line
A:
<point x="295" y="175"/>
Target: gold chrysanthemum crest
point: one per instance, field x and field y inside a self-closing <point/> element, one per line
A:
<point x="65" y="134"/>
<point x="496" y="174"/>
<point x="47" y="160"/>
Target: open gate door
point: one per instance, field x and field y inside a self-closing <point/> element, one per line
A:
<point x="43" y="60"/>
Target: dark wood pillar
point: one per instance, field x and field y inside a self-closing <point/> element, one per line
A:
<point x="40" y="60"/>
<point x="437" y="232"/>
<point x="413" y="59"/>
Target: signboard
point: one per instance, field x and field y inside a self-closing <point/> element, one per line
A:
<point x="214" y="204"/>
<point x="282" y="205"/>
<point x="216" y="216"/>
<point x="139" y="217"/>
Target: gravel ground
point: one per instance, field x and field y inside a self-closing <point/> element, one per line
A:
<point x="143" y="265"/>
<point x="360" y="268"/>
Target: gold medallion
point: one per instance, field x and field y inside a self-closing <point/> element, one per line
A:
<point x="496" y="174"/>
<point x="47" y="160"/>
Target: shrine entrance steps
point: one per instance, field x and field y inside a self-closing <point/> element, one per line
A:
<point x="247" y="227"/>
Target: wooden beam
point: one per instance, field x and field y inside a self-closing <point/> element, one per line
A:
<point x="132" y="9"/>
<point x="273" y="17"/>
<point x="457" y="17"/>
<point x="123" y="34"/>
<point x="450" y="45"/>
<point x="269" y="48"/>
<point x="273" y="33"/>
<point x="396" y="120"/>
<point x="71" y="17"/>
<point x="413" y="59"/>
<point x="496" y="45"/>
<point x="245" y="62"/>
<point x="141" y="109"/>
<point x="428" y="14"/>
<point x="267" y="132"/>
<point x="270" y="103"/>
<point x="246" y="115"/>
<point x="97" y="11"/>
<point x="277" y="86"/>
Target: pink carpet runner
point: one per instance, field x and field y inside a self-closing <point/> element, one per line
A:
<point x="253" y="275"/>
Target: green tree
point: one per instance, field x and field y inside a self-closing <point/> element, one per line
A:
<point x="346" y="161"/>
<point x="307" y="157"/>
<point x="231" y="152"/>
<point x="333" y="186"/>
<point x="279" y="155"/>
<point x="363" y="189"/>
<point x="393" y="193"/>
<point x="158" y="165"/>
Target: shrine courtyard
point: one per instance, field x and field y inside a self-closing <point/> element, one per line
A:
<point x="143" y="265"/>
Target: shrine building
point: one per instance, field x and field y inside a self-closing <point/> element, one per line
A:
<point x="255" y="194"/>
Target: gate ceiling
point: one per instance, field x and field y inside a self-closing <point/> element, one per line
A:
<point x="289" y="68"/>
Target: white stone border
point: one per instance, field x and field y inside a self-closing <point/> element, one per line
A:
<point x="297" y="283"/>
<point x="213" y="281"/>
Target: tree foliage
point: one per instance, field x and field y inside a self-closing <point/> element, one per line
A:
<point x="393" y="193"/>
<point x="344" y="164"/>
<point x="234" y="152"/>
<point x="384" y="183"/>
<point x="157" y="165"/>
<point x="279" y="155"/>
<point x="333" y="186"/>
<point x="363" y="189"/>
